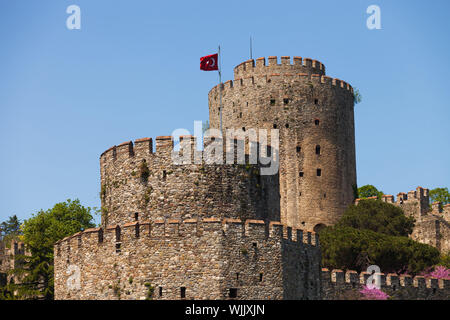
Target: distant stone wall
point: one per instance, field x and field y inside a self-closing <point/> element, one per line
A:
<point x="210" y="258"/>
<point x="139" y="184"/>
<point x="415" y="203"/>
<point x="340" y="285"/>
<point x="9" y="261"/>
<point x="434" y="229"/>
<point x="432" y="223"/>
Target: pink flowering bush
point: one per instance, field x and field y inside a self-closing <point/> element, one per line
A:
<point x="372" y="293"/>
<point x="439" y="272"/>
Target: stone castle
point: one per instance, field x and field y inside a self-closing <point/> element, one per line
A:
<point x="9" y="261"/>
<point x="432" y="223"/>
<point x="224" y="231"/>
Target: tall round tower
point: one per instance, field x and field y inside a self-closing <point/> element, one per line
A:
<point x="315" y="116"/>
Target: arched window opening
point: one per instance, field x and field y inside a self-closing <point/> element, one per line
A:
<point x="319" y="227"/>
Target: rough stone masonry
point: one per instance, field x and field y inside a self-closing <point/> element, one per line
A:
<point x="212" y="231"/>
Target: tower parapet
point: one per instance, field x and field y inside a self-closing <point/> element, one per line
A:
<point x="415" y="203"/>
<point x="259" y="67"/>
<point x="139" y="184"/>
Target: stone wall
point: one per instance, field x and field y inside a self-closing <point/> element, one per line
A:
<point x="9" y="261"/>
<point x="340" y="285"/>
<point x="315" y="116"/>
<point x="137" y="183"/>
<point x="432" y="223"/>
<point x="210" y="258"/>
<point x="434" y="229"/>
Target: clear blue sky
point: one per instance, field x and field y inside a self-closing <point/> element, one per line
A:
<point x="132" y="71"/>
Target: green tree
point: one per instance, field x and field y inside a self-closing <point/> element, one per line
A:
<point x="40" y="233"/>
<point x="368" y="191"/>
<point x="10" y="229"/>
<point x="350" y="248"/>
<point x="10" y="226"/>
<point x="375" y="233"/>
<point x="440" y="195"/>
<point x="379" y="217"/>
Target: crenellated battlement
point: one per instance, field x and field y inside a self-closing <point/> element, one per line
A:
<point x="286" y="66"/>
<point x="301" y="78"/>
<point x="420" y="194"/>
<point x="390" y="279"/>
<point x="415" y="202"/>
<point x="166" y="149"/>
<point x="140" y="148"/>
<point x="170" y="228"/>
<point x="336" y="282"/>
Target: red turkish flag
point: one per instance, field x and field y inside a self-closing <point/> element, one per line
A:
<point x="209" y="63"/>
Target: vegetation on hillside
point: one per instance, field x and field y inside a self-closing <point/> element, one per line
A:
<point x="375" y="233"/>
<point x="40" y="233"/>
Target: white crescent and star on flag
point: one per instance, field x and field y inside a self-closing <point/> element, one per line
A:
<point x="211" y="62"/>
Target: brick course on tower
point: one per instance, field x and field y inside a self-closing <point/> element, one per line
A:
<point x="315" y="116"/>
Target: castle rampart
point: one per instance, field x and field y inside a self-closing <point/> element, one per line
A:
<point x="139" y="184"/>
<point x="192" y="259"/>
<point x="8" y="260"/>
<point x="315" y="116"/>
<point x="340" y="285"/>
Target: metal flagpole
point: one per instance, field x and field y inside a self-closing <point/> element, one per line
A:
<point x="251" y="48"/>
<point x="220" y="90"/>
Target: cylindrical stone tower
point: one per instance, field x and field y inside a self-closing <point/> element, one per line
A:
<point x="138" y="184"/>
<point x="315" y="116"/>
